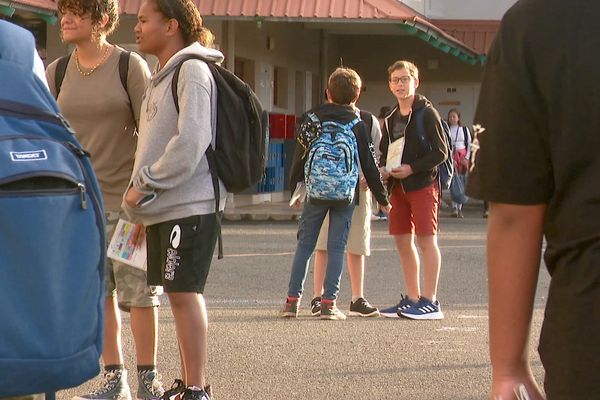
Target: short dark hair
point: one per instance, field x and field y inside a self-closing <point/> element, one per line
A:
<point x="186" y="13"/>
<point x="412" y="68"/>
<point x="96" y="8"/>
<point x="344" y="85"/>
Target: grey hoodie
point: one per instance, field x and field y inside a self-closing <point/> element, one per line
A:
<point x="170" y="162"/>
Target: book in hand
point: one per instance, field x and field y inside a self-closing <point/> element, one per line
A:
<point x="394" y="154"/>
<point x="128" y="244"/>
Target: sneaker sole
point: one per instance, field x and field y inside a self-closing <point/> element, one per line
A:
<point x="288" y="315"/>
<point x="431" y="316"/>
<point x="358" y="314"/>
<point x="389" y="315"/>
<point x="315" y="313"/>
<point x="332" y="318"/>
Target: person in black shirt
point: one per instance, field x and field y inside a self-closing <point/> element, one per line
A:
<point x="538" y="164"/>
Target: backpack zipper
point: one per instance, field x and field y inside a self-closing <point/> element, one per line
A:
<point x="78" y="187"/>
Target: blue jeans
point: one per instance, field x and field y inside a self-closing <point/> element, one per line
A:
<point x="308" y="232"/>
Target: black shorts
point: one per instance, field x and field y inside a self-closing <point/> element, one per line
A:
<point x="180" y="252"/>
<point x="571" y="330"/>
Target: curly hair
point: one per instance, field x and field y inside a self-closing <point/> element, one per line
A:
<point x="97" y="9"/>
<point x="186" y="13"/>
<point x="206" y="38"/>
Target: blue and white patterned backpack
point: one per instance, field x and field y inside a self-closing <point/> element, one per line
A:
<point x="331" y="166"/>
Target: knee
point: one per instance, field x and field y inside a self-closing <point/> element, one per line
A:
<point x="427" y="243"/>
<point x="404" y="243"/>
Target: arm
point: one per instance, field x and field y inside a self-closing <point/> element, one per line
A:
<point x="514" y="248"/>
<point x="368" y="163"/>
<point x="193" y="135"/>
<point x="50" y="72"/>
<point x="468" y="141"/>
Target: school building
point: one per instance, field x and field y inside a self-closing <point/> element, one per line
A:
<point x="285" y="49"/>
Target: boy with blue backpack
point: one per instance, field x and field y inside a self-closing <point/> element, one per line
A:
<point x="332" y="140"/>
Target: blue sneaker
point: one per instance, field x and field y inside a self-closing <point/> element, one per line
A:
<point x="392" y="312"/>
<point x="424" y="309"/>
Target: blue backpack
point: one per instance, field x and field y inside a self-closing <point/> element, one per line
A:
<point x="52" y="245"/>
<point x="331" y="166"/>
<point x="446" y="169"/>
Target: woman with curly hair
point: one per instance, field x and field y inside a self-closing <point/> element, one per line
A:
<point x="171" y="191"/>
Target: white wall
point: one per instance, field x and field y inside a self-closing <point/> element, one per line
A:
<point x="466" y="9"/>
<point x="448" y="95"/>
<point x="417" y="5"/>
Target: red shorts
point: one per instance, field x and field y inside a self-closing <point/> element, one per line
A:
<point x="414" y="212"/>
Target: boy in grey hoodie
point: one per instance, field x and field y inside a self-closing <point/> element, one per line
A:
<point x="171" y="190"/>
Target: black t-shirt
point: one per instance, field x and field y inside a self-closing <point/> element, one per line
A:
<point x="398" y="124"/>
<point x="539" y="105"/>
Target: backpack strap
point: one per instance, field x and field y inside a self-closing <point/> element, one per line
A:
<point x="123" y="75"/>
<point x="59" y="73"/>
<point x="124" y="68"/>
<point x="210" y="153"/>
<point x="63" y="62"/>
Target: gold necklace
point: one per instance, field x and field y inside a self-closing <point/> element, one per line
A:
<point x="91" y="71"/>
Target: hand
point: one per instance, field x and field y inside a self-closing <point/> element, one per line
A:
<point x="514" y="388"/>
<point x="139" y="235"/>
<point x="363" y="184"/>
<point x="386" y="209"/>
<point x="133" y="196"/>
<point x="385" y="175"/>
<point x="401" y="172"/>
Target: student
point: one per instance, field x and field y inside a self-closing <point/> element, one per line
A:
<point x="104" y="116"/>
<point x="171" y="192"/>
<point x="538" y="165"/>
<point x="343" y="89"/>
<point x="461" y="151"/>
<point x="415" y="191"/>
<point x="359" y="243"/>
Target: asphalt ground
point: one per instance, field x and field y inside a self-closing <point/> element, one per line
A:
<point x="255" y="355"/>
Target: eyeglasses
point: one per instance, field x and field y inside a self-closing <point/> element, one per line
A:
<point x="403" y="79"/>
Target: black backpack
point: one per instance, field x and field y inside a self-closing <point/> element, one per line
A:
<point x="241" y="150"/>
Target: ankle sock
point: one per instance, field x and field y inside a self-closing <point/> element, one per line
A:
<point x="114" y="367"/>
<point x="141" y="368"/>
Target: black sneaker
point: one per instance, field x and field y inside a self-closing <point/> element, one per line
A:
<point x="315" y="307"/>
<point x="176" y="391"/>
<point x="202" y="394"/>
<point x="362" y="308"/>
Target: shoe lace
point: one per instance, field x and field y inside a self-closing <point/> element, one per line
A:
<point x="177" y="387"/>
<point x="109" y="380"/>
<point x="153" y="384"/>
